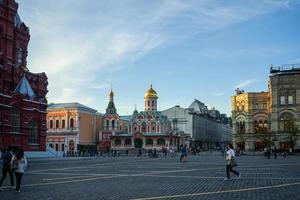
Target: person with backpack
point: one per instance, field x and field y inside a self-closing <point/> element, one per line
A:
<point x="6" y="158"/>
<point x="19" y="164"/>
<point x="231" y="162"/>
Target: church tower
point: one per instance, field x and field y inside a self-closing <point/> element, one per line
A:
<point x="151" y="99"/>
<point x="111" y="109"/>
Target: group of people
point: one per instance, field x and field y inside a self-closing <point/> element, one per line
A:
<point x="13" y="164"/>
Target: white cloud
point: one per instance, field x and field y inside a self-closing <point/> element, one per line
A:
<point x="245" y="83"/>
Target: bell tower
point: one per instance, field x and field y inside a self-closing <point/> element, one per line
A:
<point x="150" y="99"/>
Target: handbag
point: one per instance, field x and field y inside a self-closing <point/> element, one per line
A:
<point x="233" y="162"/>
<point x="15" y="165"/>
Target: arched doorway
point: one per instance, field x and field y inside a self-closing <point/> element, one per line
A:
<point x="138" y="143"/>
<point x="71" y="145"/>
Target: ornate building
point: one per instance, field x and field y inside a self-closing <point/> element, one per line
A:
<point x="23" y="101"/>
<point x="269" y="119"/>
<point x="72" y="127"/>
<point x="146" y="129"/>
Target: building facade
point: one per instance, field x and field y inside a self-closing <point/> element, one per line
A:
<point x="146" y="129"/>
<point x="199" y="126"/>
<point x="72" y="127"/>
<point x="23" y="101"/>
<point x="269" y="119"/>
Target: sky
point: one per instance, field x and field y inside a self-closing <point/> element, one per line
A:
<point x="195" y="49"/>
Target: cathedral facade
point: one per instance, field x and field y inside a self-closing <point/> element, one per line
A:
<point x="145" y="129"/>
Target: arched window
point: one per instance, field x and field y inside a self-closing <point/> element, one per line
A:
<point x="153" y="127"/>
<point x="287" y="123"/>
<point x="71" y="123"/>
<point x="117" y="142"/>
<point x="241" y="127"/>
<point x="128" y="142"/>
<point x="15" y="120"/>
<point x="57" y="123"/>
<point x="33" y="133"/>
<point x="152" y="103"/>
<point x="161" y="142"/>
<point x="51" y="124"/>
<point x="149" y="142"/>
<point x="144" y="127"/>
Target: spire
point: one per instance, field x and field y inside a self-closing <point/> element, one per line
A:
<point x="111" y="109"/>
<point x="111" y="94"/>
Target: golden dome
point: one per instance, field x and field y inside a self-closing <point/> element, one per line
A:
<point x="151" y="93"/>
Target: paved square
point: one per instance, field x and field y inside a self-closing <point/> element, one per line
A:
<point x="163" y="178"/>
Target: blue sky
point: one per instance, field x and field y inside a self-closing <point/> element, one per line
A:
<point x="187" y="49"/>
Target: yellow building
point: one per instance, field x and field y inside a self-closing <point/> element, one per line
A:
<point x="269" y="119"/>
<point x="72" y="127"/>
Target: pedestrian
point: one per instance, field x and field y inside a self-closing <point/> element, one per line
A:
<point x="269" y="153"/>
<point x="275" y="153"/>
<point x="19" y="164"/>
<point x="183" y="156"/>
<point x="6" y="169"/>
<point x="231" y="162"/>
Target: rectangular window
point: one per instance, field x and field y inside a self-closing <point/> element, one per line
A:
<point x="63" y="124"/>
<point x="265" y="106"/>
<point x="257" y="106"/>
<point x="290" y="100"/>
<point x="282" y="100"/>
<point x="33" y="133"/>
<point x="15" y="120"/>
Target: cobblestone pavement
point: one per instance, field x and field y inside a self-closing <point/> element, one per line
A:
<point x="162" y="178"/>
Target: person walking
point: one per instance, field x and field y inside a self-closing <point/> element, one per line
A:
<point x="183" y="156"/>
<point x="231" y="162"/>
<point x="6" y="169"/>
<point x="275" y="153"/>
<point x="19" y="164"/>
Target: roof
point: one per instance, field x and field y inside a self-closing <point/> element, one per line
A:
<point x="24" y="88"/>
<point x="126" y="118"/>
<point x="18" y="21"/>
<point x="77" y="105"/>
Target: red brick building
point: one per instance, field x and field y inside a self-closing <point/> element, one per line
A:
<point x="23" y="101"/>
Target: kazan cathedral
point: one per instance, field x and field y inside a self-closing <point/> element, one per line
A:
<point x="146" y="129"/>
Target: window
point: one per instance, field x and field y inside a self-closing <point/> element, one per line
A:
<point x="117" y="142"/>
<point x="51" y="124"/>
<point x="261" y="126"/>
<point x="71" y="123"/>
<point x="152" y="103"/>
<point x="56" y="147"/>
<point x="265" y="106"/>
<point x="257" y="106"/>
<point x="113" y="124"/>
<point x="144" y="127"/>
<point x="15" y="120"/>
<point x="63" y="123"/>
<point x="290" y="100"/>
<point x="107" y="124"/>
<point x="148" y="103"/>
<point x="128" y="142"/>
<point x="57" y="123"/>
<point x="282" y="100"/>
<point x="20" y="57"/>
<point x="241" y="127"/>
<point x="51" y="145"/>
<point x="62" y="147"/>
<point x="33" y="133"/>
